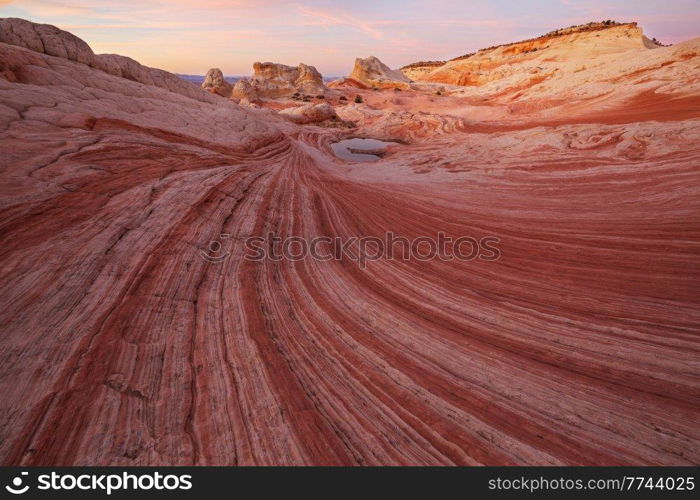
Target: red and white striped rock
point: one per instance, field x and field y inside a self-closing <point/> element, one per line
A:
<point x="121" y="345"/>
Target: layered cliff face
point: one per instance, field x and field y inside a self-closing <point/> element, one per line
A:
<point x="419" y="70"/>
<point x="564" y="51"/>
<point x="135" y="332"/>
<point x="374" y="73"/>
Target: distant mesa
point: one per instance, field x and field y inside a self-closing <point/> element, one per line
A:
<point x="374" y="73"/>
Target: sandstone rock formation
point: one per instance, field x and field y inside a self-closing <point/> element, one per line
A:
<point x="374" y="73"/>
<point x="215" y="83"/>
<point x="558" y="54"/>
<point x="130" y="339"/>
<point x="50" y="40"/>
<point x="274" y="80"/>
<point x="418" y="70"/>
<point x="245" y="93"/>
<point x="348" y="83"/>
<point x="46" y="39"/>
<point x="310" y="113"/>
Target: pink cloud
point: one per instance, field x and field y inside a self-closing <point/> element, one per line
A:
<point x="326" y="19"/>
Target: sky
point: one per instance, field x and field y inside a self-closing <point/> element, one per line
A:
<point x="191" y="36"/>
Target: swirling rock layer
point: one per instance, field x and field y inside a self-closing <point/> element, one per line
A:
<point x="127" y="339"/>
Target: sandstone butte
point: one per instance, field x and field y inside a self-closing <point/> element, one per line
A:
<point x="374" y="73"/>
<point x="121" y="345"/>
<point x="278" y="80"/>
<point x="215" y="83"/>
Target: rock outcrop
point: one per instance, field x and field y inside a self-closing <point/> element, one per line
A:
<point x="557" y="54"/>
<point x="273" y="80"/>
<point x="374" y="73"/>
<point x="418" y="71"/>
<point x="50" y="40"/>
<point x="347" y="83"/>
<point x="45" y="39"/>
<point x="310" y="113"/>
<point x="215" y="83"/>
<point x="244" y="92"/>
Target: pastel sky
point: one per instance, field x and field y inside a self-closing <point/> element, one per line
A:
<point x="191" y="36"/>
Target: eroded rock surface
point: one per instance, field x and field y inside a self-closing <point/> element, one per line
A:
<point x="348" y="83"/>
<point x="50" y="40"/>
<point x="374" y="73"/>
<point x="129" y="339"/>
<point x="273" y="80"/>
<point x="310" y="113"/>
<point x="558" y="55"/>
<point x="244" y="91"/>
<point x="215" y="83"/>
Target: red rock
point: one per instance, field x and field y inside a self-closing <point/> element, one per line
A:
<point x="121" y="345"/>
